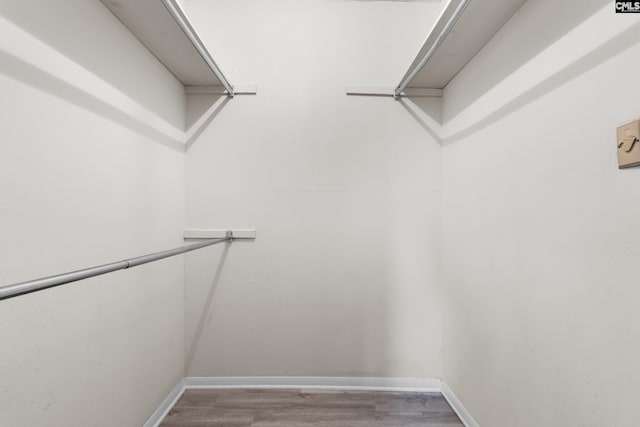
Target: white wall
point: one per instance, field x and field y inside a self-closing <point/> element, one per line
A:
<point x="540" y="227"/>
<point x="80" y="187"/>
<point x="343" y="279"/>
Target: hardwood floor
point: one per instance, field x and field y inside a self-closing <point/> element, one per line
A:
<point x="318" y="408"/>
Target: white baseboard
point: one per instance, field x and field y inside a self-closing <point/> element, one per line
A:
<point x="458" y="407"/>
<point x="425" y="385"/>
<point x="343" y="383"/>
<point x="156" y="418"/>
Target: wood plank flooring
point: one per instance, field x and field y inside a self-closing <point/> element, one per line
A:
<point x="318" y="408"/>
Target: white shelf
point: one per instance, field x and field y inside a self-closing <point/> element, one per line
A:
<point x="177" y="48"/>
<point x="463" y="28"/>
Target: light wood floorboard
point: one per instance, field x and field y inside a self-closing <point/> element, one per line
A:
<point x="318" y="408"/>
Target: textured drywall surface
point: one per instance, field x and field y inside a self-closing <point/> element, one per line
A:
<point x="540" y="228"/>
<point x="343" y="191"/>
<point x="79" y="189"/>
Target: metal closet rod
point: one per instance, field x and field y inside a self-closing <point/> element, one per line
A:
<point x="22" y="288"/>
<point x="183" y="22"/>
<point x="439" y="40"/>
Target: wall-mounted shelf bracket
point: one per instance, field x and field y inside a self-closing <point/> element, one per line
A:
<point x="389" y="91"/>
<point x="220" y="90"/>
<point x="237" y="233"/>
